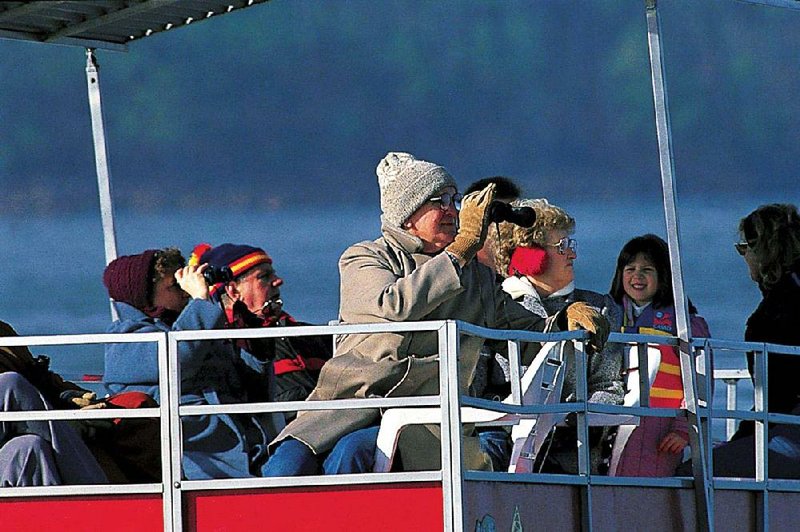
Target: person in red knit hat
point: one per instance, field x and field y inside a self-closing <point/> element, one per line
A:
<point x="252" y="298"/>
<point x="155" y="291"/>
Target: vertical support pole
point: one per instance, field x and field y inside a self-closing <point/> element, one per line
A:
<point x="176" y="443"/>
<point x="101" y="161"/>
<point x="584" y="452"/>
<point x="730" y="404"/>
<point x="761" y="451"/>
<point x="452" y="460"/>
<point x="168" y="477"/>
<point x="643" y="363"/>
<point x="703" y="488"/>
<point x="514" y="362"/>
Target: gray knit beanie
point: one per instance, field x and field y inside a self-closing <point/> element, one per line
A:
<point x="406" y="183"/>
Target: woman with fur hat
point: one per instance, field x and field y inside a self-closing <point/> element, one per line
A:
<point x="422" y="267"/>
<point x="155" y="292"/>
<point x="538" y="263"/>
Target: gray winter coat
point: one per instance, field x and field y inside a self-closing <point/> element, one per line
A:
<point x="391" y="280"/>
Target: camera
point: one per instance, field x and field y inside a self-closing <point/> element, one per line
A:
<point x="214" y="275"/>
<point x="500" y="211"/>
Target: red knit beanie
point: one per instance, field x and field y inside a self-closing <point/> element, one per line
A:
<point x="240" y="258"/>
<point x="129" y="279"/>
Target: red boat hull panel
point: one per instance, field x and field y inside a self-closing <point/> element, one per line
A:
<point x="120" y="513"/>
<point x="388" y="508"/>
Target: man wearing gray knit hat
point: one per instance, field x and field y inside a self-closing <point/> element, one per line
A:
<point x="406" y="183"/>
<point x="421" y="268"/>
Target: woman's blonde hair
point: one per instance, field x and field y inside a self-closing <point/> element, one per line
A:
<point x="773" y="234"/>
<point x="549" y="218"/>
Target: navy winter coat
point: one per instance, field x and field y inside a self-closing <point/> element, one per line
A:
<point x="212" y="372"/>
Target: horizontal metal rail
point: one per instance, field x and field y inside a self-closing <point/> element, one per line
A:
<point x="515" y="338"/>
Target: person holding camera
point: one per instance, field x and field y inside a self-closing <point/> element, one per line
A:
<point x="155" y="291"/>
<point x="243" y="280"/>
<point x="538" y="263"/>
<point x="423" y="267"/>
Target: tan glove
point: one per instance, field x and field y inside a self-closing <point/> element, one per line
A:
<point x="78" y="398"/>
<point x="581" y="316"/>
<point x="472" y="224"/>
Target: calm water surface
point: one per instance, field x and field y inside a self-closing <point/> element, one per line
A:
<point x="53" y="266"/>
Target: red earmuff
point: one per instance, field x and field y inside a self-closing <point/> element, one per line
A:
<point x="528" y="261"/>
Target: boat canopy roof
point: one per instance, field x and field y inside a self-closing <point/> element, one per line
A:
<point x="109" y="24"/>
<point x="112" y="24"/>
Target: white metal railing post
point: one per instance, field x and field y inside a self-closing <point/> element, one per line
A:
<point x="452" y="456"/>
<point x="515" y="361"/>
<point x="643" y="363"/>
<point x="730" y="404"/>
<point x="175" y="441"/>
<point x="101" y="161"/>
<point x="703" y="488"/>
<point x="582" y="426"/>
<point x="167" y="474"/>
<point x="761" y="432"/>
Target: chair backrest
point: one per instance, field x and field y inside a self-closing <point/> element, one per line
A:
<point x="542" y="384"/>
<point x="633" y="364"/>
<point x="543" y="379"/>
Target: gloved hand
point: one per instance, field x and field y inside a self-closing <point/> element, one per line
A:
<point x="580" y="315"/>
<point x="473" y="223"/>
<point x="78" y="398"/>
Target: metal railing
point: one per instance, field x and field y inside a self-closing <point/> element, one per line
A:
<point x="449" y="400"/>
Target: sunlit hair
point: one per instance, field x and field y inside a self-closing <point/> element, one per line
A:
<point x="548" y="218"/>
<point x="654" y="249"/>
<point x="773" y="235"/>
<point x="165" y="262"/>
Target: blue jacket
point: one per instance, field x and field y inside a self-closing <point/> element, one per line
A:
<point x="212" y="372"/>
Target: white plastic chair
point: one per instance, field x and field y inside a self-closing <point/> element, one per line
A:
<point x="532" y="436"/>
<point x="540" y="384"/>
<point x="633" y="396"/>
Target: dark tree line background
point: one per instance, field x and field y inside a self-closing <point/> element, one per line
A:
<point x="295" y="102"/>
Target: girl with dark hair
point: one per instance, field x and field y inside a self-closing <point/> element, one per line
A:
<point x="642" y="286"/>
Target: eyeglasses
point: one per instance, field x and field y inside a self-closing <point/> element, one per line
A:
<point x="446" y="199"/>
<point x="564" y="244"/>
<point x="741" y="248"/>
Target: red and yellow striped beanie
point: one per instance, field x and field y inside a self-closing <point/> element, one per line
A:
<point x="240" y="258"/>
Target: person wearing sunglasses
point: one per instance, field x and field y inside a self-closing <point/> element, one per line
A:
<point x="422" y="267"/>
<point x="769" y="242"/>
<point x="538" y="263"/>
